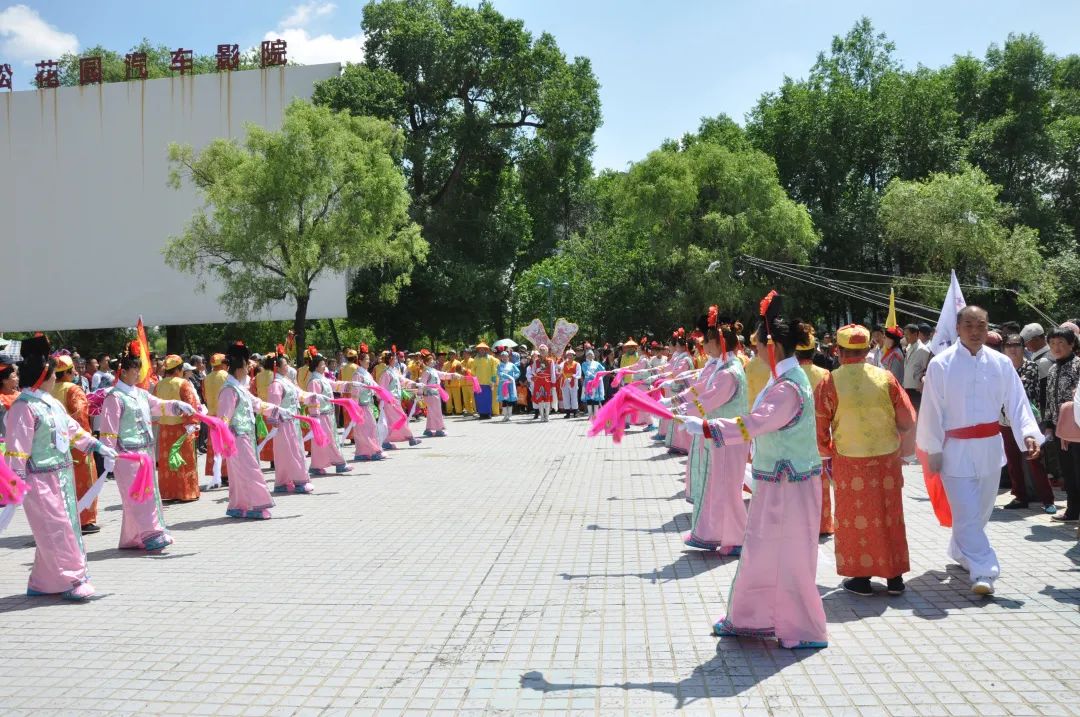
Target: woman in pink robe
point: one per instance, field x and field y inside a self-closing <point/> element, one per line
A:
<point x="430" y="380"/>
<point x="321" y="384"/>
<point x="365" y="434"/>
<point x="775" y="592"/>
<point x="395" y="383"/>
<point x="290" y="469"/>
<point x="143" y="524"/>
<point x="248" y="494"/>
<point x="59" y="556"/>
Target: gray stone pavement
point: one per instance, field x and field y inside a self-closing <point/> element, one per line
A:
<point x="509" y="570"/>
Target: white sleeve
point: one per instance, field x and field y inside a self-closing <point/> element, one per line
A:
<point x="930" y="429"/>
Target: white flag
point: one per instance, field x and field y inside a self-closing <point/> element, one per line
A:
<point x="945" y="333"/>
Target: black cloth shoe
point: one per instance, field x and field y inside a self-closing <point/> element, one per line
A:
<point x="90" y="528"/>
<point x="896" y="585"/>
<point x="1015" y="505"/>
<point x="859" y="586"/>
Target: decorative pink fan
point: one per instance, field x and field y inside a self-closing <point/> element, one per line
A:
<point x="564" y="331"/>
<point x="536" y="334"/>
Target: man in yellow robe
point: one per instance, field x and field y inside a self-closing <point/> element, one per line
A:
<point x="865" y="422"/>
<point x="486" y="369"/>
<point x="468" y="397"/>
<point x="73" y="399"/>
<point x="211" y="388"/>
<point x="455" y="386"/>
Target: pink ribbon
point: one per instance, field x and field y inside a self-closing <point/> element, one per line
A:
<point x="611" y="418"/>
<point x="142" y="488"/>
<point x="221" y="438"/>
<point x="12" y="487"/>
<point x="475" y="383"/>
<point x="318" y="433"/>
<point x="352" y="408"/>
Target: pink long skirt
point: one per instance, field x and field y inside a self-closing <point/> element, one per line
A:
<point x="289" y="468"/>
<point x="247" y="487"/>
<point x="394" y="413"/>
<point x="434" y="414"/>
<point x="330" y="454"/>
<point x="59" y="560"/>
<point x="775" y="592"/>
<point x="720" y="514"/>
<point x="366" y="435"/>
<point x="143" y="522"/>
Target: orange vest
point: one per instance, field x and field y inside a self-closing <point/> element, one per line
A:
<point x="865" y="420"/>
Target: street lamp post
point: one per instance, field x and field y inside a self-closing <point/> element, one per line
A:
<point x="550" y="286"/>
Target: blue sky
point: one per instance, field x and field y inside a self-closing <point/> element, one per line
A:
<point x="662" y="64"/>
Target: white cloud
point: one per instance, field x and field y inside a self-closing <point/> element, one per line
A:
<point x="309" y="49"/>
<point x="26" y="38"/>
<point x="303" y="13"/>
<point x="313" y="50"/>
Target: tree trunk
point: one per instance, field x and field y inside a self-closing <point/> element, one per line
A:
<point x="174" y="339"/>
<point x="333" y="332"/>
<point x="300" y="327"/>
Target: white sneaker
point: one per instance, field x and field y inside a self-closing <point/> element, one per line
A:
<point x="983" y="586"/>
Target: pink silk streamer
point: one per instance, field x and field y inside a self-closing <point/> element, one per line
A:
<point x="611" y="418"/>
<point x="220" y="436"/>
<point x="318" y="433"/>
<point x="619" y="376"/>
<point x="443" y="394"/>
<point x="12" y="487"/>
<point x="352" y="408"/>
<point x="475" y="384"/>
<point x="142" y="488"/>
<point x="594" y="382"/>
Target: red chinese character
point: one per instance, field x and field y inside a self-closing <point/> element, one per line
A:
<point x="89" y="70"/>
<point x="47" y="75"/>
<point x="228" y="57"/>
<point x="5" y="76"/>
<point x="273" y="53"/>
<point x="182" y="61"/>
<point x="135" y="66"/>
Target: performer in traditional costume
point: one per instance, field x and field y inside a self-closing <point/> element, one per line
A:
<point x="211" y="389"/>
<point x="9" y="388"/>
<point x="967" y="387"/>
<point x="455" y="386"/>
<point x="126" y="427"/>
<point x="365" y="434"/>
<point x="862" y="414"/>
<point x="594" y="398"/>
<point x="892" y="357"/>
<point x="569" y="379"/>
<point x="715" y="473"/>
<point x="775" y="591"/>
<point x="180" y="485"/>
<point x="260" y="384"/>
<point x="290" y="469"/>
<point x="248" y="495"/>
<point x="395" y="383"/>
<point x="542" y="374"/>
<point x="39" y="434"/>
<point x="430" y="380"/>
<point x="676" y="438"/>
<point x="506" y="390"/>
<point x="322" y="457"/>
<point x="73" y="399"/>
<point x="485" y="367"/>
<point x="815" y="374"/>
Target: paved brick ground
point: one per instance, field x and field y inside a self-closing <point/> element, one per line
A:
<point x="513" y="569"/>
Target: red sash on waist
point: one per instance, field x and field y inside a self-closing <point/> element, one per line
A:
<point x="981" y="430"/>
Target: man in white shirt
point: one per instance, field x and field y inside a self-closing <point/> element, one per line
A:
<point x="877" y="340"/>
<point x="966" y="390"/>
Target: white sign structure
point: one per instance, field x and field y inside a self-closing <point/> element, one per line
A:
<point x="85" y="206"/>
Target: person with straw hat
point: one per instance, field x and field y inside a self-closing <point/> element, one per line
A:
<point x="180" y="484"/>
<point x="865" y="423"/>
<point x="73" y="399"/>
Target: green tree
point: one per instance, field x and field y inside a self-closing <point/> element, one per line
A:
<point x="498" y="133"/>
<point x="956" y="221"/>
<point x="325" y="195"/>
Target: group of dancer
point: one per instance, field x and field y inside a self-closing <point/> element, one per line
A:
<point x="790" y="433"/>
<point x="45" y="445"/>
